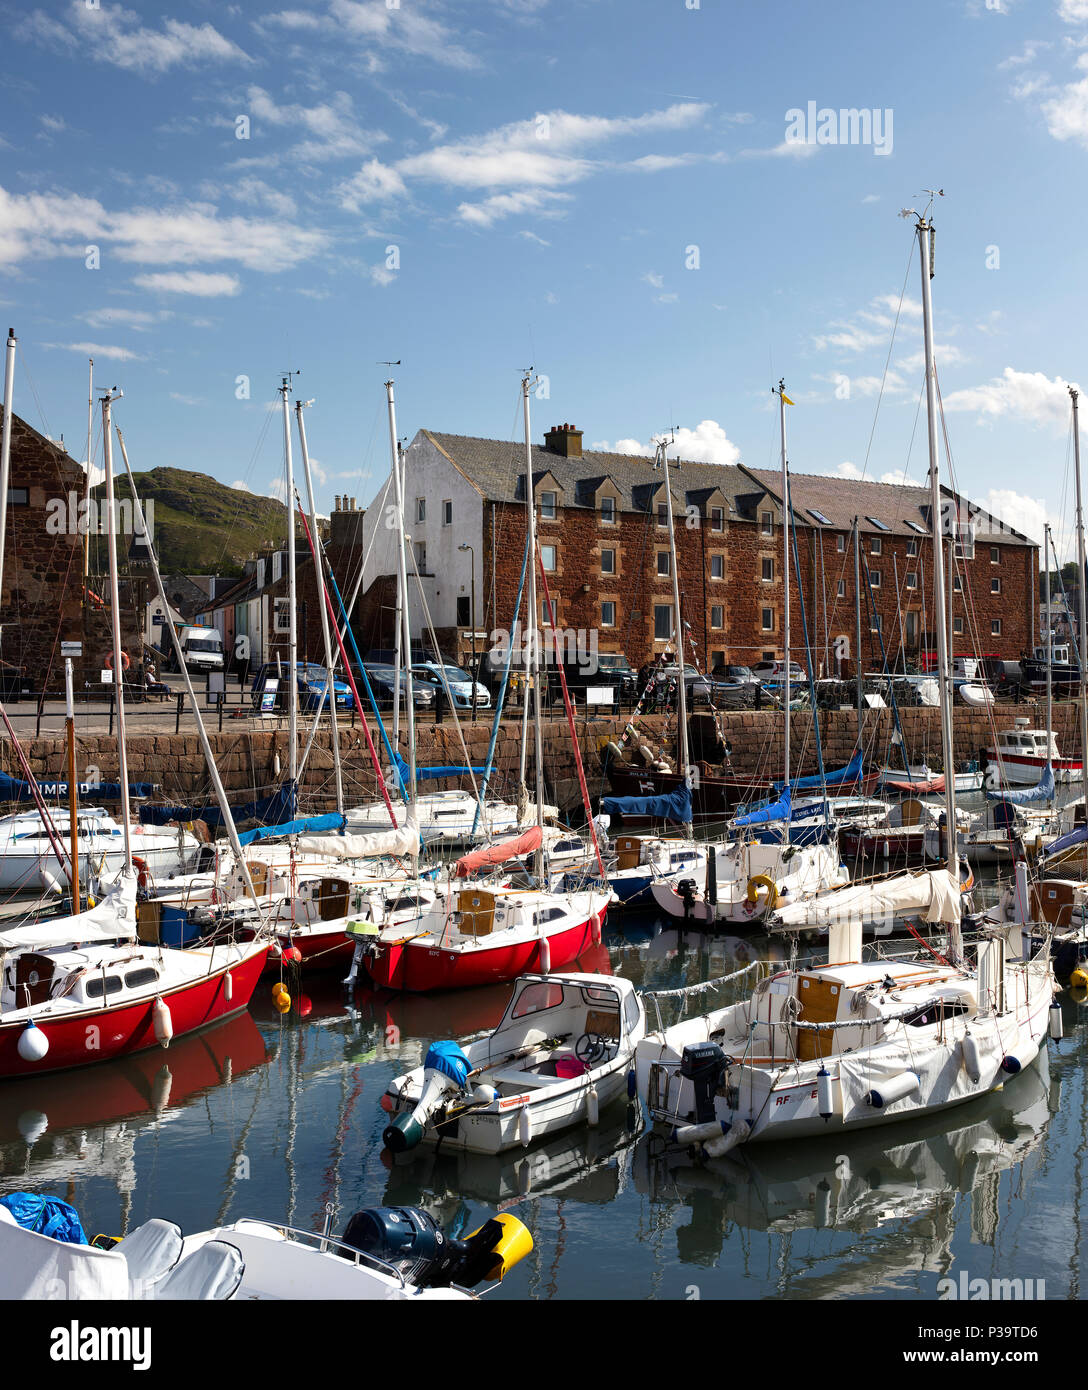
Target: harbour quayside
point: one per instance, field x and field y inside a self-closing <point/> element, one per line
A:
<point x="636" y="854"/>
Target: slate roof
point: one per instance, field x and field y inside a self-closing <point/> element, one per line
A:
<point x="494" y="467"/>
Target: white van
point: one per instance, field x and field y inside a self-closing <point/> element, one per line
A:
<point x="201" y="648"/>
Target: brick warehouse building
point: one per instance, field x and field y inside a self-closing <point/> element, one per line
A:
<point x="605" y="544"/>
<point x="42" y="602"/>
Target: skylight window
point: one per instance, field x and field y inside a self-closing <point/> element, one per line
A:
<point x="819" y="516"/>
<point x="917" y="526"/>
<point x="880" y="525"/>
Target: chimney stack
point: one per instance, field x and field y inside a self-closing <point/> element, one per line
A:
<point x="565" y="441"/>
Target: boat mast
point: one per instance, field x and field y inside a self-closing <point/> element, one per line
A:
<point x="535" y="627"/>
<point x="87" y="481"/>
<point x="406" y="622"/>
<point x="398" y="623"/>
<point x="115" y="618"/>
<point x="330" y="688"/>
<point x="857" y="632"/>
<point x="944" y="677"/>
<point x="682" y="747"/>
<point x="1048" y="543"/>
<point x="1075" y="394"/>
<point x="73" y="787"/>
<point x="786" y="509"/>
<point x="292" y="592"/>
<point x="5" y="445"/>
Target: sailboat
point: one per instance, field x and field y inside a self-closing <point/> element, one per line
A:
<point x="850" y="1044"/>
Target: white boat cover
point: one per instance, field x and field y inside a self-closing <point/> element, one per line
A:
<point x="344" y="845"/>
<point x="933" y="893"/>
<point x="37" y="1267"/>
<point x="113" y="918"/>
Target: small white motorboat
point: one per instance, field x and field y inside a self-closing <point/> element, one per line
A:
<point x="398" y="1253"/>
<point x="561" y="1053"/>
<point x="28" y="860"/>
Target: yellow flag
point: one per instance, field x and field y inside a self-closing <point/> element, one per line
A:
<point x="785" y="398"/>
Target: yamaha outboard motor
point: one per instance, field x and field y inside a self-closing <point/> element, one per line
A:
<point x="685" y="890"/>
<point x="704" y="1065"/>
<point x="415" y="1245"/>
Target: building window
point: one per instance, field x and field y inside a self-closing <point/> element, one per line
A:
<point x="717" y="567"/>
<point x="608" y="614"/>
<point x="957" y="626"/>
<point x="662" y="622"/>
<point x="717" y="616"/>
<point x="876" y="546"/>
<point x="840" y="544"/>
<point x="663" y="514"/>
<point x="282" y="615"/>
<point x="421" y="556"/>
<point x="875" y="579"/>
<point x="995" y="627"/>
<point x="768" y="619"/>
<point x="842" y="588"/>
<point x="717" y="519"/>
<point x="717" y="659"/>
<point x="912" y="580"/>
<point x="608" y="562"/>
<point x="464" y="610"/>
<point x="768" y="569"/>
<point x="663" y="562"/>
<point x="447" y="513"/>
<point x="608" y="510"/>
<point x="548" y="502"/>
<point x="421" y="509"/>
<point x="18" y="497"/>
<point x="957" y="584"/>
<point x="995" y="555"/>
<point x="912" y="547"/>
<point x="766" y="523"/>
<point x="547" y="557"/>
<point x="875" y="624"/>
<point x="995" y="585"/>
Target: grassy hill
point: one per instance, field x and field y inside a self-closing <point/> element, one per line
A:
<point x="201" y="526"/>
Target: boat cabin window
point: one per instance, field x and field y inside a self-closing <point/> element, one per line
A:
<point x="599" y="995"/>
<point x="398" y="903"/>
<point x="952" y="1008"/>
<point x="567" y="846"/>
<point x="135" y="978"/>
<point x="687" y="857"/>
<point x="535" y="998"/>
<point x="97" y="986"/>
<point x="630" y="1009"/>
<point x="547" y="914"/>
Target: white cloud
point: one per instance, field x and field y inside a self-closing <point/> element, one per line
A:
<point x="138" y="319"/>
<point x="277" y="488"/>
<point x="381" y="275"/>
<point x="332" y="128"/>
<point x="194" y="282"/>
<point x="542" y="202"/>
<point x="53" y="124"/>
<point x="870" y="327"/>
<point x="1028" y="396"/>
<point x="98" y="350"/>
<point x="185" y="400"/>
<point x="706" y="443"/>
<point x="114" y="35"/>
<point x="1074" y="11"/>
<point x="532" y="236"/>
<point x="375" y="182"/>
<point x="652" y="278"/>
<point x="1067" y="113"/>
<point x="1028" y="515"/>
<point x="402" y="29"/>
<point x="241" y="486"/>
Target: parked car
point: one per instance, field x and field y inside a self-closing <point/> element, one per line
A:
<point x="460" y="683"/>
<point x="14" y="682"/>
<point x="1005" y="678"/>
<point x="312" y="680"/>
<point x="615" y="666"/>
<point x="738" y="675"/>
<point x="609" y="672"/>
<point x="772" y="671"/>
<point x="383" y="681"/>
<point x="201" y="649"/>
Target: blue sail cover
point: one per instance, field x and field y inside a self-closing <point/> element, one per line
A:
<point x="850" y="773"/>
<point x="1026" y="796"/>
<point x="1070" y="841"/>
<point x="430" y="774"/>
<point x="13" y="790"/>
<point x="309" y="825"/>
<point x="778" y="810"/>
<point x="273" y="810"/>
<point x="675" y="806"/>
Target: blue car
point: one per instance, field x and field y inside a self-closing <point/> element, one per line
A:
<point x="312" y="681"/>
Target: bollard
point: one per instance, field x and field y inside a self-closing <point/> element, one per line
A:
<point x="177" y="717"/>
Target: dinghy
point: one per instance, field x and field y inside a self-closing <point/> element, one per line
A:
<point x="561" y="1053"/>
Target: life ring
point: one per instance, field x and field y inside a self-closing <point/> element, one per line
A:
<point x="142" y="875"/>
<point x="758" y="881"/>
<point x="125" y="662"/>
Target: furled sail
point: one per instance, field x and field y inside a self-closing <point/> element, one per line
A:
<point x="934" y="894"/>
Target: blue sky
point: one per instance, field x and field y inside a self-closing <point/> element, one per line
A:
<point x="607" y="190"/>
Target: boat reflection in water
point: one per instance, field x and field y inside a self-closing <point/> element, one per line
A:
<point x="59" y="1131"/>
<point x="857" y="1184"/>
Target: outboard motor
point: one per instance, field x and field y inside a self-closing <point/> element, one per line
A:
<point x="445" y="1071"/>
<point x="704" y="1065"/>
<point x="685" y="890"/>
<point x="412" y="1241"/>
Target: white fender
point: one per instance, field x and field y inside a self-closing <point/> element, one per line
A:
<point x="525" y="1126"/>
<point x="228" y="987"/>
<point x="592" y="1107"/>
<point x="739" y="1131"/>
<point x="164" y="1023"/>
<point x="895" y="1088"/>
<point x="972" y="1062"/>
<point x="698" y="1134"/>
<point x="545" y="956"/>
<point x="33" y="1044"/>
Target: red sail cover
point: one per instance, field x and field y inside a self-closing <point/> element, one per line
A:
<point x="934" y="785"/>
<point x="500" y="853"/>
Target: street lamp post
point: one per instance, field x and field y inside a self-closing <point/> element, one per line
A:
<point x="472" y="615"/>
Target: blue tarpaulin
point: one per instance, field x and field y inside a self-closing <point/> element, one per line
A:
<point x="429" y="774"/>
<point x="447" y="1058"/>
<point x="1070" y="841"/>
<point x="273" y="810"/>
<point x="1026" y="796"/>
<point x="675" y="806"/>
<point x="850" y="773"/>
<point x="778" y="810"/>
<point x="309" y="825"/>
<point x="48" y="1216"/>
<point x="13" y="790"/>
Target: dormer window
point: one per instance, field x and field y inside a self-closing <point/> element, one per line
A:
<point x="548" y="506"/>
<point x="717" y="518"/>
<point x="608" y="511"/>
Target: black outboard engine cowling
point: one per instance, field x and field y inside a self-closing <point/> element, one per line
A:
<point x="412" y="1241"/>
<point x="685" y="890"/>
<point x="704" y="1065"/>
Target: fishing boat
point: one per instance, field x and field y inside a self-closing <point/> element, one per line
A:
<point x="385" y="1253"/>
<point x="1020" y="754"/>
<point x="561" y="1053"/>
